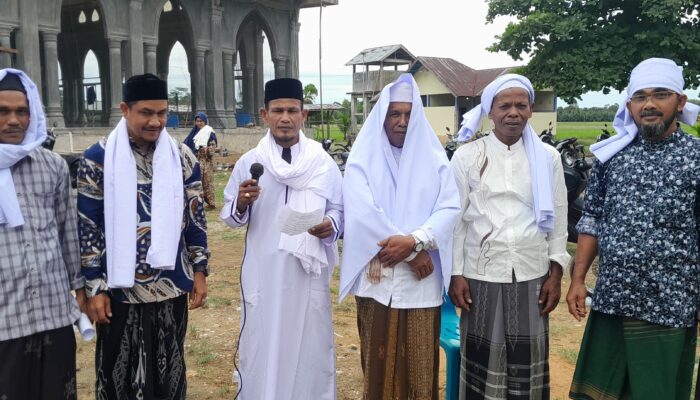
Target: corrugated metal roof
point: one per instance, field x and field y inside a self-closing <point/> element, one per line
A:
<point x="388" y="55"/>
<point x="316" y="3"/>
<point x="460" y="80"/>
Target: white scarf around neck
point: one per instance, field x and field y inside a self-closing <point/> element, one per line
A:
<point x="120" y="208"/>
<point x="313" y="181"/>
<point x="10" y="154"/>
<point x="201" y="139"/>
<point x="541" y="168"/>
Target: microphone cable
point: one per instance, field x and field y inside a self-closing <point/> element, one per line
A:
<point x="245" y="313"/>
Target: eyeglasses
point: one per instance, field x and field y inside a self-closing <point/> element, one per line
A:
<point x="656" y="96"/>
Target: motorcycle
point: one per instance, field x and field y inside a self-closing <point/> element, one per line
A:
<point x="338" y="151"/>
<point x="451" y="144"/>
<point x="576" y="171"/>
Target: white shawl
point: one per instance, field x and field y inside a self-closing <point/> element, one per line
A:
<point x="120" y="196"/>
<point x="313" y="180"/>
<point x="201" y="139"/>
<point x="10" y="154"/>
<point x="382" y="198"/>
<point x="541" y="169"/>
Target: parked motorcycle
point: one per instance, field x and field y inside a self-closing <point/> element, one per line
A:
<point x="576" y="171"/>
<point x="451" y="144"/>
<point x="338" y="151"/>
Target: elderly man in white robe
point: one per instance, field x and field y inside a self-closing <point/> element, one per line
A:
<point x="286" y="339"/>
<point x="509" y="246"/>
<point x="401" y="205"/>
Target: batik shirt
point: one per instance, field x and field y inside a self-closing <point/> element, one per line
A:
<point x="151" y="285"/>
<point x="642" y="205"/>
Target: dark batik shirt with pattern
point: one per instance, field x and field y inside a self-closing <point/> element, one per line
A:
<point x="643" y="207"/>
<point x="151" y="285"/>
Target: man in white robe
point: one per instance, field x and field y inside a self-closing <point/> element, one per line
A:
<point x="286" y="340"/>
<point x="401" y="206"/>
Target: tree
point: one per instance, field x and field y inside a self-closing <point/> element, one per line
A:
<point x="578" y="46"/>
<point x="310" y="93"/>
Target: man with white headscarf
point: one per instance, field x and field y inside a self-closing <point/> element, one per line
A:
<point x="509" y="246"/>
<point x="401" y="204"/>
<point x="143" y="246"/>
<point x="39" y="252"/>
<point x="641" y="217"/>
<point x="286" y="337"/>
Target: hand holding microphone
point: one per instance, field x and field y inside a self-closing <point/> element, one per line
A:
<point x="248" y="190"/>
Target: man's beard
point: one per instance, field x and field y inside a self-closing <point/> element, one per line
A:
<point x="655" y="131"/>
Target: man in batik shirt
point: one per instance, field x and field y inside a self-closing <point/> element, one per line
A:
<point x="143" y="247"/>
<point x="641" y="217"/>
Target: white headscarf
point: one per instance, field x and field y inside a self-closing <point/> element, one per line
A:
<point x="10" y="154"/>
<point x="540" y="161"/>
<point x="650" y="73"/>
<point x="382" y="198"/>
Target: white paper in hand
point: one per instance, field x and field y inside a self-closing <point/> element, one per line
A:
<point x="87" y="331"/>
<point x="295" y="222"/>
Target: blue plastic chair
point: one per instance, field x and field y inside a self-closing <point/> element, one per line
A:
<point x="449" y="341"/>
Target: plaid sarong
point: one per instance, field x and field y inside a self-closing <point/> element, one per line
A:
<point x="399" y="351"/>
<point x="505" y="342"/>
<point x="624" y="358"/>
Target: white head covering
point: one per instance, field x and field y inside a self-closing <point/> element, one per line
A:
<point x="650" y="73"/>
<point x="384" y="198"/>
<point x="401" y="92"/>
<point x="10" y="154"/>
<point x="540" y="161"/>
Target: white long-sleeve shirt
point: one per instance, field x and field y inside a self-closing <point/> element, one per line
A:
<point x="496" y="237"/>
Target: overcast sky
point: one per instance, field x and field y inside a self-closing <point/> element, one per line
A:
<point x="436" y="28"/>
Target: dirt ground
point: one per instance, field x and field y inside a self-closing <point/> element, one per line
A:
<point x="213" y="330"/>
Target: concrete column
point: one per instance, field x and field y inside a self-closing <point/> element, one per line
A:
<point x="5" y="58"/>
<point x="199" y="87"/>
<point x="135" y="66"/>
<point x="54" y="116"/>
<point x="259" y="73"/>
<point x="280" y="66"/>
<point x="249" y="88"/>
<point x="293" y="71"/>
<point x="28" y="54"/>
<point x="215" y="66"/>
<point x="150" y="57"/>
<point x="229" y="94"/>
<point x="115" y="83"/>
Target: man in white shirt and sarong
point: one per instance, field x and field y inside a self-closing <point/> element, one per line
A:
<point x="286" y="339"/>
<point x="509" y="246"/>
<point x="401" y="205"/>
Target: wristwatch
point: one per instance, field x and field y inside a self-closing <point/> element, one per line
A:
<point x="418" y="247"/>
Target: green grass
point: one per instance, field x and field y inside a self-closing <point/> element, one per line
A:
<point x="335" y="132"/>
<point x="569" y="355"/>
<point x="587" y="132"/>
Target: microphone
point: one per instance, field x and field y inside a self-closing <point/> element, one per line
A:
<point x="256" y="171"/>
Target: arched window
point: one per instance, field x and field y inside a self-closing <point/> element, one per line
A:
<point x="95" y="16"/>
<point x="82" y="18"/>
<point x="168" y="6"/>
